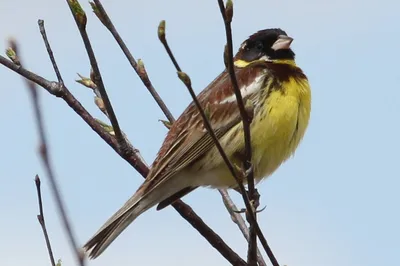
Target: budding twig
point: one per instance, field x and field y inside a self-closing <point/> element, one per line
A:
<point x="139" y="68"/>
<point x="227" y="14"/>
<point x="80" y="19"/>
<point x="186" y="80"/>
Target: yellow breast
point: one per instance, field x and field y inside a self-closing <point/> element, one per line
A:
<point x="277" y="128"/>
<point x="280" y="125"/>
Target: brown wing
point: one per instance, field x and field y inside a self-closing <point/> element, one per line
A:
<point x="187" y="139"/>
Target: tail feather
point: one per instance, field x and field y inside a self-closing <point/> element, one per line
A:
<point x="98" y="243"/>
<point x="135" y="206"/>
<point x="144" y="199"/>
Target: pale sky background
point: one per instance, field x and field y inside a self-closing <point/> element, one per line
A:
<point x="335" y="203"/>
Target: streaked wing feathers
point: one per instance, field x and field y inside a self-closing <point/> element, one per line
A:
<point x="187" y="139"/>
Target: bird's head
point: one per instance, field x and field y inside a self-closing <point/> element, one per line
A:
<point x="269" y="45"/>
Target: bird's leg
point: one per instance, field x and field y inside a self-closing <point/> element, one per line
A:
<point x="255" y="203"/>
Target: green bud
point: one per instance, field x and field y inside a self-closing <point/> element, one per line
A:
<point x="78" y="13"/>
<point x="12" y="55"/>
<point x="97" y="12"/>
<point x="229" y="11"/>
<point x="184" y="78"/>
<point x="87" y="82"/>
<point x="166" y="123"/>
<point x="161" y="31"/>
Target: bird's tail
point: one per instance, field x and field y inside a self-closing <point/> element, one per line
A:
<point x="136" y="205"/>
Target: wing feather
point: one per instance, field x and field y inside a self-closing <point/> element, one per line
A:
<point x="187" y="139"/>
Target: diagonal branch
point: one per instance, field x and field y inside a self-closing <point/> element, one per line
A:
<point x="62" y="92"/>
<point x="239" y="221"/>
<point x="50" y="52"/>
<point x="227" y="14"/>
<point x="186" y="80"/>
<point x="80" y="19"/>
<point x="101" y="13"/>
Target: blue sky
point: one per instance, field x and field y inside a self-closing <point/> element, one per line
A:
<point x="335" y="203"/>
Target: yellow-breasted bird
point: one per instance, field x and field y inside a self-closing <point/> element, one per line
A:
<point x="280" y="93"/>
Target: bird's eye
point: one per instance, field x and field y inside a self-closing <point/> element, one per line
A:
<point x="259" y="46"/>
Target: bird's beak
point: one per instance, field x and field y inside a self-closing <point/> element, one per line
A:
<point x="283" y="42"/>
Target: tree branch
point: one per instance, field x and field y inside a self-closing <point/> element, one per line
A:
<point x="50" y="52"/>
<point x="186" y="80"/>
<point x="101" y="13"/>
<point x="239" y="221"/>
<point x="227" y="14"/>
<point x="80" y="19"/>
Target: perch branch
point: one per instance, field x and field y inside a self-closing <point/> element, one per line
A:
<point x="227" y="14"/>
<point x="186" y="80"/>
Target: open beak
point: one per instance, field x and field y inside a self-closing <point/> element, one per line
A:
<point x="283" y="42"/>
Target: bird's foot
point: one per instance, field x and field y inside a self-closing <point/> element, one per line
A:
<point x="255" y="202"/>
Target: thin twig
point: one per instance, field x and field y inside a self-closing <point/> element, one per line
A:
<point x="42" y="222"/>
<point x="80" y="19"/>
<point x="101" y="13"/>
<point x="227" y="14"/>
<point x="239" y="221"/>
<point x="163" y="40"/>
<point x="62" y="92"/>
<point x="244" y="229"/>
<point x="50" y="173"/>
<point x="47" y="164"/>
<point x="50" y="52"/>
<point x="186" y="80"/>
<point x="216" y="241"/>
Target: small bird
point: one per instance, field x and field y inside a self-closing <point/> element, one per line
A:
<point x="280" y="95"/>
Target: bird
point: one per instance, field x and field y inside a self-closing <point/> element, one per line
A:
<point x="280" y="95"/>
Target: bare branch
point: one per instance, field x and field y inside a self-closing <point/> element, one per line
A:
<point x="239" y="221"/>
<point x="42" y="222"/>
<point x="46" y="160"/>
<point x="227" y="14"/>
<point x="51" y="86"/>
<point x="163" y="40"/>
<point x="50" y="52"/>
<point x="186" y="80"/>
<point x="62" y="92"/>
<point x="80" y="19"/>
<point x="100" y="12"/>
